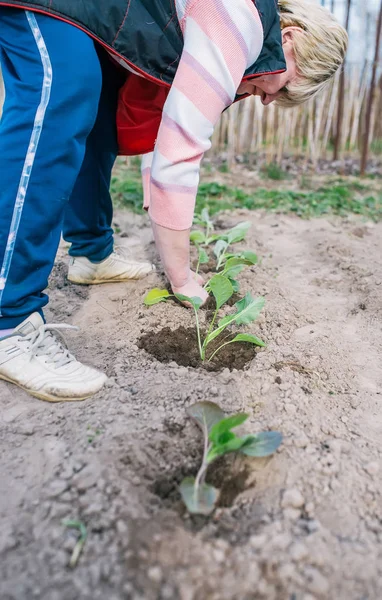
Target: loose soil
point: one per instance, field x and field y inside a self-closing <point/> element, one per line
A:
<point x="305" y="524"/>
<point x="181" y="346"/>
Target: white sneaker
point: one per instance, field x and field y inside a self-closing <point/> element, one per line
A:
<point x="35" y="360"/>
<point x="114" y="268"/>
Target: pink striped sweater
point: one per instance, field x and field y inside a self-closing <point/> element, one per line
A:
<point x="221" y="39"/>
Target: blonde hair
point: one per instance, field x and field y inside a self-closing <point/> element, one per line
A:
<point x="319" y="48"/>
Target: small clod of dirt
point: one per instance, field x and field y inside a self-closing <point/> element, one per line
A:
<point x="181" y="346"/>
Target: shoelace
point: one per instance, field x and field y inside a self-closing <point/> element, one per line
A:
<point x="126" y="254"/>
<point x="44" y="343"/>
<point x="122" y="252"/>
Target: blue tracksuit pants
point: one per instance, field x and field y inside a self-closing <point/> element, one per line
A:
<point x="57" y="148"/>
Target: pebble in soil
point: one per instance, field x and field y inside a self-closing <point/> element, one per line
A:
<point x="181" y="346"/>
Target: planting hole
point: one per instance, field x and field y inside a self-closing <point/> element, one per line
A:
<point x="181" y="346"/>
<point x="230" y="481"/>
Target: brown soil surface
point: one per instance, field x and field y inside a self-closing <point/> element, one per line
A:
<point x="181" y="345"/>
<point x="303" y="525"/>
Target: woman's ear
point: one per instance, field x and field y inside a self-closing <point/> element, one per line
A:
<point x="288" y="34"/>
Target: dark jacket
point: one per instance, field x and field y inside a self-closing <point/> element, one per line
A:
<point x="147" y="35"/>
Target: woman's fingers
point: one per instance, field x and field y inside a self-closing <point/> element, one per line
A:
<point x="191" y="289"/>
<point x="198" y="278"/>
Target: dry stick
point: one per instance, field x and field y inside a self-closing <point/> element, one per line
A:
<point x="270" y="110"/>
<point x="331" y="110"/>
<point x="310" y="152"/>
<point x="373" y="121"/>
<point x="252" y="120"/>
<point x="322" y="122"/>
<point x="348" y="108"/>
<point x="244" y="127"/>
<point x="365" y="146"/>
<point x="300" y="131"/>
<point x="319" y="104"/>
<point x="215" y="140"/>
<point x="341" y="95"/>
<point x="378" y="103"/>
<point x="288" y="129"/>
<point x="232" y="135"/>
<point x="257" y="132"/>
<point x="293" y="127"/>
<point x="280" y="141"/>
<point x="261" y="123"/>
<point x="223" y="130"/>
<point x="358" y="107"/>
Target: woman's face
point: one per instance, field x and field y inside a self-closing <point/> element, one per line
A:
<point x="269" y="87"/>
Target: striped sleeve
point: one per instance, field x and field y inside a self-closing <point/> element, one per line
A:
<point x="221" y="39"/>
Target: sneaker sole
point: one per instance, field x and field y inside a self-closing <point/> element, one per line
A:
<point x="99" y="281"/>
<point x="48" y="397"/>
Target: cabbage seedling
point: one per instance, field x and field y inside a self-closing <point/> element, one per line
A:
<point x="203" y="220"/>
<point x="224" y="240"/>
<point x="219" y="439"/>
<point x="231" y="236"/>
<point x="203" y="258"/>
<point x="81" y="528"/>
<point x="234" y="265"/>
<point x="247" y="311"/>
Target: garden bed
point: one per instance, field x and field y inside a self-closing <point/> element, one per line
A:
<point x="304" y="524"/>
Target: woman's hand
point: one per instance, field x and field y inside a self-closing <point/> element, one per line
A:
<point x="192" y="288"/>
<point x="174" y="249"/>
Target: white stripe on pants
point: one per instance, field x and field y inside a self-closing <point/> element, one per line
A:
<point x="31" y="152"/>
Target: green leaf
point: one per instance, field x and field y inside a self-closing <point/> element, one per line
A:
<point x="220" y="247"/>
<point x="195" y="301"/>
<point x="201" y="501"/>
<point x="203" y="256"/>
<point x="235" y="284"/>
<point x="248" y="337"/>
<point x="221" y="288"/>
<point x="247" y="311"/>
<point x="237" y="233"/>
<point x="197" y="237"/>
<point x="233" y="271"/>
<point x="226" y="425"/>
<point x="226" y="437"/>
<point x="155" y="296"/>
<point x="235" y="261"/>
<point x="205" y="217"/>
<point x="234" y="266"/>
<point x="250" y="256"/>
<point x="232" y="445"/>
<point x="206" y="414"/>
<point x="262" y="444"/>
<point x="215" y="237"/>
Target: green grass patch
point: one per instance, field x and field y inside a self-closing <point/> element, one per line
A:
<point x="336" y="200"/>
<point x="274" y="172"/>
<point x="127" y="193"/>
